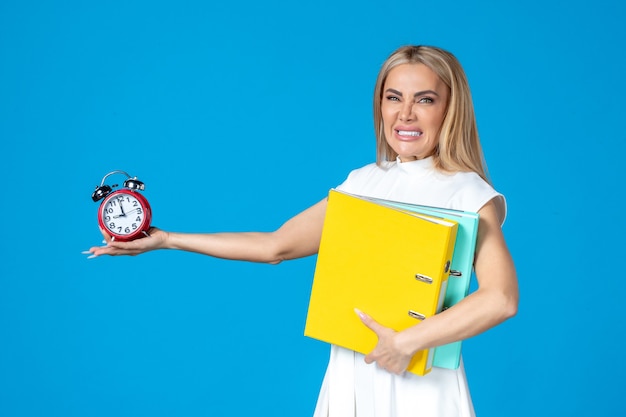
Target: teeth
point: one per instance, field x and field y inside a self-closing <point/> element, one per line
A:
<point x="409" y="133"/>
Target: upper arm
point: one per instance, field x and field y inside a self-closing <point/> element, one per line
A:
<point x="301" y="235"/>
<point x="495" y="270"/>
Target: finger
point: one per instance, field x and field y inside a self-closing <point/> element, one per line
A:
<point x="90" y="253"/>
<point x="107" y="236"/>
<point x="116" y="247"/>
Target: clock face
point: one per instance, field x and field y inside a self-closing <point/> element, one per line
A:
<point x="123" y="214"/>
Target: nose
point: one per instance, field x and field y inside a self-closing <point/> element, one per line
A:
<point x="407" y="113"/>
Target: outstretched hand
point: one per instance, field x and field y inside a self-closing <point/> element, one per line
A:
<point x="387" y="353"/>
<point x="155" y="240"/>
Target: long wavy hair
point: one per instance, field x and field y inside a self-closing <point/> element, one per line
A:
<point x="459" y="145"/>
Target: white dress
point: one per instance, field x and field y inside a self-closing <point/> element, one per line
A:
<point x="353" y="388"/>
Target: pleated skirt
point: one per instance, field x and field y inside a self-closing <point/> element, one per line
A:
<point x="352" y="388"/>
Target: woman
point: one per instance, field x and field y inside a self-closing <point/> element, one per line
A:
<point x="428" y="153"/>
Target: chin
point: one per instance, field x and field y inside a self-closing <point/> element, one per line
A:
<point x="414" y="154"/>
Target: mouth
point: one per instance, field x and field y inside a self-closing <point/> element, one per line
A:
<point x="409" y="134"/>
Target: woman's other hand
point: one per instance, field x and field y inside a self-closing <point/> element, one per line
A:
<point x="155" y="240"/>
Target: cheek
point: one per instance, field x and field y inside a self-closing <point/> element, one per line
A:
<point x="441" y="115"/>
<point x="435" y="121"/>
<point x="388" y="118"/>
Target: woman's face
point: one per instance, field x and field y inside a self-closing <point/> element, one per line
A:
<point x="414" y="104"/>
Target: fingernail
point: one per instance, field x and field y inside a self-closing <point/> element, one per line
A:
<point x="359" y="313"/>
<point x="86" y="252"/>
<point x="91" y="257"/>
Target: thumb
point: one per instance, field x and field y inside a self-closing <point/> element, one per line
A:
<point x="368" y="321"/>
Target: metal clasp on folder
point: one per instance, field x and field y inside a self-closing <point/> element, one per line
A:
<point x="424" y="278"/>
<point x="416" y="315"/>
<point x="429" y="280"/>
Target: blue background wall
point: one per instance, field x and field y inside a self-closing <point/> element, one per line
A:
<point x="239" y="115"/>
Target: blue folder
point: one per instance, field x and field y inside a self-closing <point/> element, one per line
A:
<point x="449" y="356"/>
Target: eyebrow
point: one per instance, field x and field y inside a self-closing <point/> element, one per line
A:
<point x="419" y="93"/>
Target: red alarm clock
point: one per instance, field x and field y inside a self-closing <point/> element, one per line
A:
<point x="125" y="214"/>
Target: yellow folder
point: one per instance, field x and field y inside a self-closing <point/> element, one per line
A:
<point x="389" y="263"/>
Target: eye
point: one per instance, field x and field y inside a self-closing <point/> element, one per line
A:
<point x="393" y="98"/>
<point x="425" y="100"/>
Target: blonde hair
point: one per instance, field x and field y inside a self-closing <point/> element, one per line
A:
<point x="459" y="145"/>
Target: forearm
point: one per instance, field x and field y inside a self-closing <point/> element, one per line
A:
<point x="478" y="312"/>
<point x="246" y="246"/>
<point x="297" y="238"/>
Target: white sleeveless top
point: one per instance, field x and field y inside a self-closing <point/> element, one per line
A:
<point x="352" y="388"/>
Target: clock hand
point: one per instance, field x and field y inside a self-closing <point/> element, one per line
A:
<point x="122" y="208"/>
<point x="124" y="215"/>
